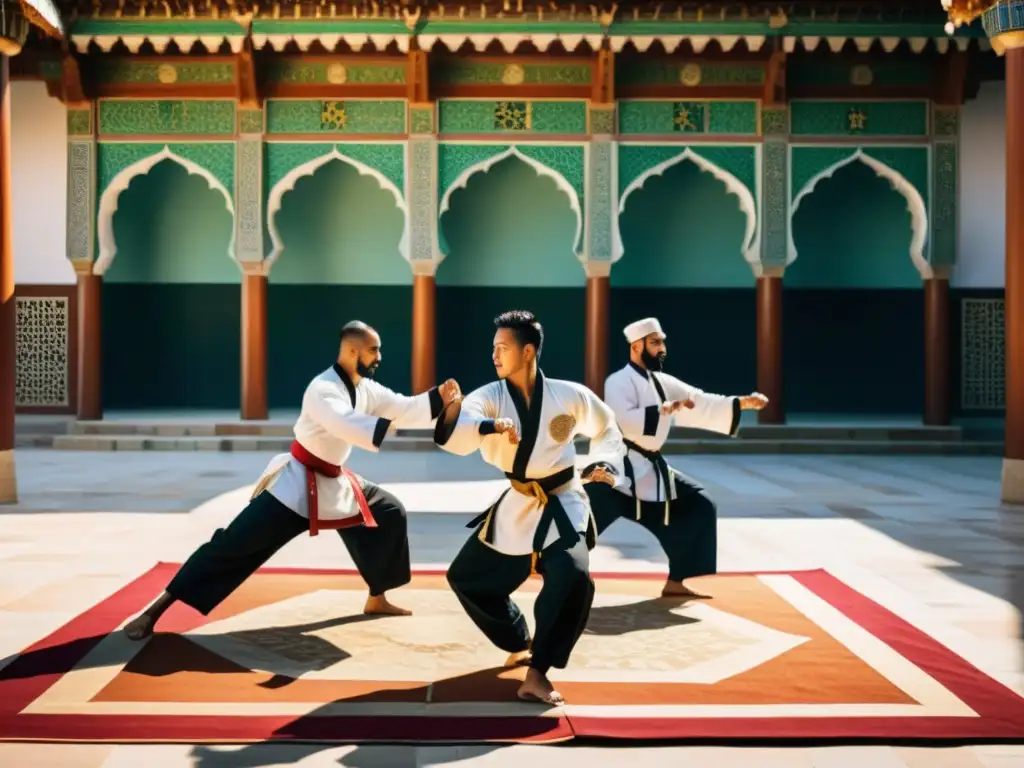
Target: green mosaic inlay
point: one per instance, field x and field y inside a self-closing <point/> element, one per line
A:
<point x="388" y="158"/>
<point x="250" y="121"/>
<point x="683" y="73"/>
<point x="470" y="116"/>
<point x="912" y="162"/>
<point x="512" y="74"/>
<point x="79" y="122"/>
<point x="602" y="120"/>
<point x="337" y="73"/>
<point x="881" y="71"/>
<point x="302" y="116"/>
<point x="662" y="117"/>
<point x="143" y="116"/>
<point x="774" y="121"/>
<point x="732" y="117"/>
<point x="166" y="73"/>
<point x="868" y="118"/>
<point x="637" y="159"/>
<point x="216" y="157"/>
<point x="421" y="120"/>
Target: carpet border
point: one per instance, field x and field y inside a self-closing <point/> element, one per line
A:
<point x="1000" y="709"/>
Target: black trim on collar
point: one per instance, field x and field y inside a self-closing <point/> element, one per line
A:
<point x="346" y="381"/>
<point x="637" y="369"/>
<point x="529" y="420"/>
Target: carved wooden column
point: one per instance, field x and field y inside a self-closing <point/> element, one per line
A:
<point x="249" y="245"/>
<point x="8" y="314"/>
<point x="1013" y="457"/>
<point x="598" y="302"/>
<point x="601" y="219"/>
<point x="90" y="342"/>
<point x="254" y="342"/>
<point x="937" y="406"/>
<point x="769" y="345"/>
<point x="424" y="249"/>
<point x="774" y="249"/>
<point x="424" y="326"/>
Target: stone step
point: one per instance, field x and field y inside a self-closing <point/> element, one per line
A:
<point x="674" y="446"/>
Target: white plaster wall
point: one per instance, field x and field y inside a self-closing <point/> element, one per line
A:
<point x="981" y="262"/>
<point x="39" y="138"/>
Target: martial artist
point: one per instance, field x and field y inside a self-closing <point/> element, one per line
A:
<point x="524" y="424"/>
<point x="672" y="506"/>
<point x="309" y="489"/>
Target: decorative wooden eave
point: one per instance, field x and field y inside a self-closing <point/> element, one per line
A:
<point x="509" y="23"/>
<point x="44" y="14"/>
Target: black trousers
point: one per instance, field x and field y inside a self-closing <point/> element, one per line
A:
<point x="484" y="579"/>
<point x="690" y="540"/>
<point x="233" y="554"/>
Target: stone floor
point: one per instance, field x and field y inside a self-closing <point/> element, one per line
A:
<point x="925" y="537"/>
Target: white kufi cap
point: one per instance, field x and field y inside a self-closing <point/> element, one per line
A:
<point x="642" y="329"/>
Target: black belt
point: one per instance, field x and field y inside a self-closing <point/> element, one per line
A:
<point x="553" y="511"/>
<point x="663" y="474"/>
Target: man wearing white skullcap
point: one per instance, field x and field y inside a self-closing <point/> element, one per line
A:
<point x="674" y="507"/>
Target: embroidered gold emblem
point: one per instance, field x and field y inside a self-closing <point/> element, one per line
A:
<point x="560" y="427"/>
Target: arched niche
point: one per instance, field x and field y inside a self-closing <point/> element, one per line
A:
<point x="171" y="297"/>
<point x="110" y="200"/>
<point x="338" y="233"/>
<point x="511" y="234"/>
<point x="853" y="331"/>
<point x="308" y="168"/>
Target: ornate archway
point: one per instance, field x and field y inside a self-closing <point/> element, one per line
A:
<point x="290" y="179"/>
<point x="109" y="201"/>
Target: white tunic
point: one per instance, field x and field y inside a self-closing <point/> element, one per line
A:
<point x="632" y="395"/>
<point x="335" y="417"/>
<point x="514" y="522"/>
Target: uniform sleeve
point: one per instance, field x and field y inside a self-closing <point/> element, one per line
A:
<point x="634" y="420"/>
<point x="333" y="411"/>
<point x="596" y="420"/>
<point x="714" y="413"/>
<point x="464" y="424"/>
<point x="417" y="412"/>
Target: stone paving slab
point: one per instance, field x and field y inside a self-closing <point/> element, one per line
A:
<point x="924" y="536"/>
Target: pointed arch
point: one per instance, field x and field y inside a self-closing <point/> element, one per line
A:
<point x="109" y="202"/>
<point x="542" y="170"/>
<point x="915" y="205"/>
<point x="290" y="179"/>
<point x="751" y="234"/>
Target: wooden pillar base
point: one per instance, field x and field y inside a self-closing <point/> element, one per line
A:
<point x="90" y="344"/>
<point x="937" y="405"/>
<point x="598" y="300"/>
<point x="424" y="329"/>
<point x="1013" y="481"/>
<point x="254" y="347"/>
<point x="8" y="478"/>
<point x="769" y="348"/>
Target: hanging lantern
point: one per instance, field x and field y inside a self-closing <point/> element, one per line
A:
<point x="13" y="27"/>
<point x="962" y="12"/>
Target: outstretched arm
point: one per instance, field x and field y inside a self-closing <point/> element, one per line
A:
<point x="404" y="412"/>
<point x="464" y="423"/>
<point x="715" y="413"/>
<point x="333" y="411"/>
<point x="596" y="420"/>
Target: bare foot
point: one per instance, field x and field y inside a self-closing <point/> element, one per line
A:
<point x="379" y="605"/>
<point x="519" y="659"/>
<point x="537" y="688"/>
<point x="678" y="589"/>
<point x="140" y="627"/>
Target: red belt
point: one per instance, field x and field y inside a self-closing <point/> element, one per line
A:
<point x="316" y="466"/>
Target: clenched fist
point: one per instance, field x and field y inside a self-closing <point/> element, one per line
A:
<point x="508" y="428"/>
<point x="674" y="405"/>
<point x="449" y="391"/>
<point x="753" y="402"/>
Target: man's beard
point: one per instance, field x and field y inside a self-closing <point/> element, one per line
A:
<point x="366" y="371"/>
<point x="653" y="362"/>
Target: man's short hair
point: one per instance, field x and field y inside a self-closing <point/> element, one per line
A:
<point x="524" y="326"/>
<point x="356" y="330"/>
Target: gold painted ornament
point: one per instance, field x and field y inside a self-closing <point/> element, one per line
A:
<point x="560" y="428"/>
<point x="690" y="75"/>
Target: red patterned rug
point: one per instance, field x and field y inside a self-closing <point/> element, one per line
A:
<point x="797" y="655"/>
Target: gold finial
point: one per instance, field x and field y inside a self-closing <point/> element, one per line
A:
<point x="332" y="10"/>
<point x="411" y="19"/>
<point x="462" y="11"/>
<point x="167" y="8"/>
<point x="504" y="6"/>
<point x="216" y="11"/>
<point x="608" y="16"/>
<point x="519" y="6"/>
<point x="297" y="11"/>
<point x="276" y="11"/>
<point x="540" y="13"/>
<point x="657" y="11"/>
<point x="191" y="9"/>
<point x="375" y="8"/>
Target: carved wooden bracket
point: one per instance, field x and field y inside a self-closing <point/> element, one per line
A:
<point x="953" y="80"/>
<point x="604" y="78"/>
<point x="775" y="79"/>
<point x="248" y="88"/>
<point x="72" y="89"/>
<point x="418" y="77"/>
